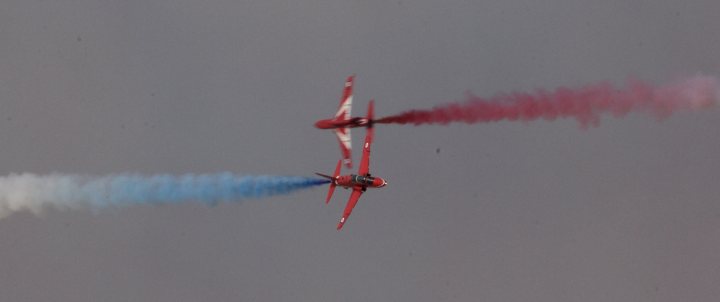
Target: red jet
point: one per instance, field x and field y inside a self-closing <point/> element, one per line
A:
<point x="358" y="182"/>
<point x="342" y="122"/>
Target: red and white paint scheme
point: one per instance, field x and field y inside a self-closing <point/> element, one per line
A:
<point x="342" y="122"/>
<point x="357" y="182"/>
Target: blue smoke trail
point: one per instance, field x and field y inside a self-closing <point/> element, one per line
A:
<point x="33" y="192"/>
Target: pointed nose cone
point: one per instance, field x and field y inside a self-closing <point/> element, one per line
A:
<point x="379" y="182"/>
<point x="325" y="124"/>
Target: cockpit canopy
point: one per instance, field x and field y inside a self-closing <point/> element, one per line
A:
<point x="362" y="180"/>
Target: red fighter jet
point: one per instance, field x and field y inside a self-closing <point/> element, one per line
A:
<point x="358" y="182"/>
<point x="342" y="122"/>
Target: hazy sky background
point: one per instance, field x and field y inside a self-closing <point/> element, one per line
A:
<point x="510" y="211"/>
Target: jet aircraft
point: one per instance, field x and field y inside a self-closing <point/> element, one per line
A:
<point x="342" y="122"/>
<point x="358" y="182"/>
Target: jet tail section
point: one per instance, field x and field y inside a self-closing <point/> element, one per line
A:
<point x="371" y="113"/>
<point x="332" y="179"/>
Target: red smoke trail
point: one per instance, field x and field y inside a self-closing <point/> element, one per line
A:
<point x="584" y="104"/>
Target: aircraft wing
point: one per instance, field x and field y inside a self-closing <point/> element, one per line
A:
<point x="369" y="134"/>
<point x="354" y="197"/>
<point x="345" y="107"/>
<point x="344" y="139"/>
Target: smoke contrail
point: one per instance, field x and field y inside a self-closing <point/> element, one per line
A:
<point x="33" y="192"/>
<point x="585" y="104"/>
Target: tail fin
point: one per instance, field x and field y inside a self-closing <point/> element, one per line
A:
<point x="332" y="179"/>
<point x="371" y="113"/>
<point x="324" y="175"/>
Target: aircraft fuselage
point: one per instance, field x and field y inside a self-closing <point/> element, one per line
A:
<point x="353" y="122"/>
<point x="354" y="180"/>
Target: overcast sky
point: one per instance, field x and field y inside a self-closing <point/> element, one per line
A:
<point x="510" y="211"/>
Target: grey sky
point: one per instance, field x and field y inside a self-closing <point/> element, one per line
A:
<point x="541" y="211"/>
